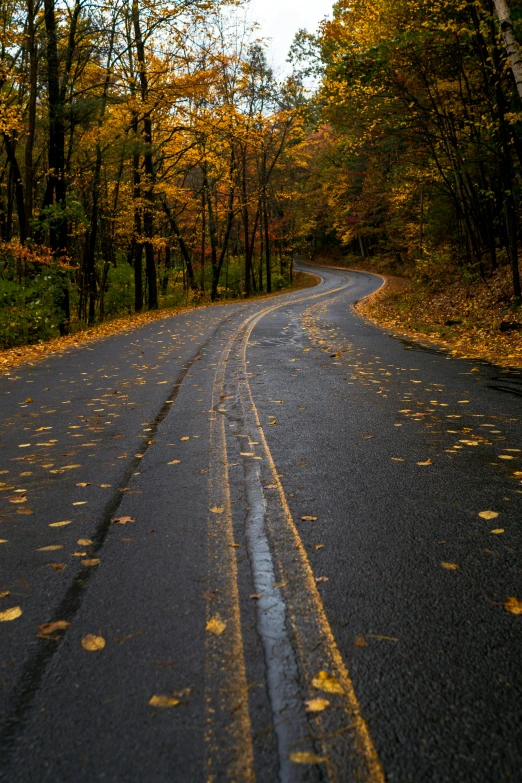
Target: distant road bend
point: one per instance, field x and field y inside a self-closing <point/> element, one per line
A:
<point x="258" y="532"/>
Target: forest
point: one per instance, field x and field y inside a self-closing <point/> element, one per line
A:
<point x="150" y="157"/>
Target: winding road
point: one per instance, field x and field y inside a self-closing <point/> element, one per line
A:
<point x="270" y="519"/>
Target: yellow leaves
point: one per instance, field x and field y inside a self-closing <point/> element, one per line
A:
<point x="10" y="614"/>
<point x="274" y="421"/>
<point x="325" y="682"/>
<point x="122" y="520"/>
<point x="93" y="643"/>
<point x="80" y="503"/>
<point x="5" y="593"/>
<point x="185" y="437"/>
<point x="360" y="641"/>
<point x="174" y="462"/>
<point x="427" y="462"/>
<point x="163" y="702"/>
<point x="397" y="459"/>
<point x="488" y="514"/>
<point x="316" y="705"/>
<point x="321" y="579"/>
<point x="450" y="566"/>
<point x="308" y="518"/>
<point x="3" y="541"/>
<point x="217" y="509"/>
<point x="513" y="605"/>
<point x="50" y="548"/>
<point x="305" y="757"/>
<point x="497" y="531"/>
<point x="215" y="625"/>
<point x="93" y="561"/>
<point x="49" y="628"/>
<point x="84" y="541"/>
<point x="63" y="523"/>
<point x="505" y="456"/>
<point x="28" y="401"/>
<point x="58" y="566"/>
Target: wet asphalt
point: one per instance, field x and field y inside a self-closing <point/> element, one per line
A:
<point x="393" y="447"/>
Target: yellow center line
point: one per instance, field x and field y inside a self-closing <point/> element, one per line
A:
<point x="228" y="727"/>
<point x="369" y="767"/>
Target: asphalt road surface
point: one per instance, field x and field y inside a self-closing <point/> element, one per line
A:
<point x="299" y="585"/>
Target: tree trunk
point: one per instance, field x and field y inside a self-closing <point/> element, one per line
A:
<point x="148" y="187"/>
<point x="512" y="45"/>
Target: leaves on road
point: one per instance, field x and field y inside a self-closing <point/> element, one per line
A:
<point x="305" y="757"/>
<point x="427" y="462"/>
<point x="163" y="702"/>
<point x="488" y="514"/>
<point x="325" y="682"/>
<point x="308" y="518"/>
<point x="450" y="566"/>
<point x="316" y="705"/>
<point x="93" y="643"/>
<point x="215" y="625"/>
<point x="122" y="520"/>
<point x="10" y="614"/>
<point x="217" y="509"/>
<point x="49" y="628"/>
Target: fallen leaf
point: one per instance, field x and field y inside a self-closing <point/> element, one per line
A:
<point x="360" y="641"/>
<point x="398" y="459"/>
<point x="28" y="400"/>
<point x="274" y="421"/>
<point x="58" y="566"/>
<point x="10" y="614"/>
<point x="450" y="566"/>
<point x="428" y="462"/>
<point x="93" y="561"/>
<point x="79" y="554"/>
<point x="57" y="625"/>
<point x="316" y="705"/>
<point x="325" y="682"/>
<point x="319" y="546"/>
<point x="256" y="595"/>
<point x="163" y="701"/>
<point x="185" y="437"/>
<point x="50" y="548"/>
<point x="93" y="643"/>
<point x="5" y="594"/>
<point x="488" y="514"/>
<point x="174" y="462"/>
<point x="3" y="540"/>
<point x="84" y="541"/>
<point x="123" y="520"/>
<point x="215" y="625"/>
<point x="304" y="757"/>
<point x="505" y="456"/>
<point x="497" y="531"/>
<point x="217" y="509"/>
<point x="61" y="524"/>
<point x="321" y="579"/>
<point x="308" y="518"/>
<point x="84" y="484"/>
<point x="105" y="486"/>
<point x="513" y="605"/>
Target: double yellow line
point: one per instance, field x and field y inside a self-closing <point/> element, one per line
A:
<point x="343" y="734"/>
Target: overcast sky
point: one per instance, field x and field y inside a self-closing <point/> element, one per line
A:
<point x="281" y="19"/>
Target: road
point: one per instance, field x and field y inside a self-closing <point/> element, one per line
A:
<point x="298" y="586"/>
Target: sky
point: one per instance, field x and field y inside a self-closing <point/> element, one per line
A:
<point x="281" y="19"/>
